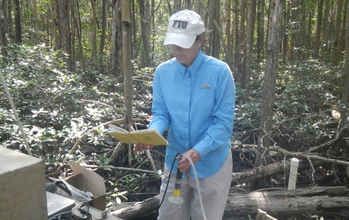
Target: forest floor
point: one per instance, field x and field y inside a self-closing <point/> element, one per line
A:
<point x="306" y="178"/>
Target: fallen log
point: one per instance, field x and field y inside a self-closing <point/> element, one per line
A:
<point x="138" y="209"/>
<point x="308" y="156"/>
<point x="281" y="204"/>
<point x="260" y="172"/>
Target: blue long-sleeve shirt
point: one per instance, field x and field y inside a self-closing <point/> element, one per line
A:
<point x="197" y="105"/>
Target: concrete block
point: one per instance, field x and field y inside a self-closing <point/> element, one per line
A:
<point x="22" y="186"/>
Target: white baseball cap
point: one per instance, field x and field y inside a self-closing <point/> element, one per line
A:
<point x="183" y="28"/>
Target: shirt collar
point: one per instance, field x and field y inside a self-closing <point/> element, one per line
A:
<point x="194" y="66"/>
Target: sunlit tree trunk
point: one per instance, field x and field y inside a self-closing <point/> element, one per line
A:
<point x="268" y="91"/>
<point x="127" y="66"/>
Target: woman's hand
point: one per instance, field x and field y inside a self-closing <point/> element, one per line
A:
<point x="184" y="163"/>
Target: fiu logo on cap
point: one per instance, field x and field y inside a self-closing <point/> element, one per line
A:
<point x="180" y="24"/>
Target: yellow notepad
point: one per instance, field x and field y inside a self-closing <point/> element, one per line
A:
<point x="146" y="136"/>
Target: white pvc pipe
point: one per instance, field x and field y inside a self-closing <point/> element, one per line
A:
<point x="293" y="174"/>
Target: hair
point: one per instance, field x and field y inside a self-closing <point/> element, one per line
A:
<point x="204" y="36"/>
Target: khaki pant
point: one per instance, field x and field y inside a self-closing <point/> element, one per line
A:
<point x="214" y="193"/>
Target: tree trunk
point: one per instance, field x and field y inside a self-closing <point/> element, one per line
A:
<point x="318" y="28"/>
<point x="78" y="31"/>
<point x="228" y="32"/>
<point x="237" y="53"/>
<point x="325" y="30"/>
<point x="216" y="45"/>
<point x="260" y="31"/>
<point x="138" y="209"/>
<point x="73" y="34"/>
<point x="258" y="173"/>
<point x="337" y="34"/>
<point x="55" y="25"/>
<point x="64" y="30"/>
<point x="302" y="29"/>
<point x="187" y="4"/>
<point x="268" y="93"/>
<point x="251" y="11"/>
<point x="209" y="26"/>
<point x="127" y="67"/>
<point x="18" y="27"/>
<point x="242" y="42"/>
<point x="293" y="36"/>
<point x="176" y="6"/>
<point x="341" y="44"/>
<point x="152" y="27"/>
<point x="35" y="16"/>
<point x="3" y="29"/>
<point x="345" y="93"/>
<point x="116" y="36"/>
<point x="94" y="30"/>
<point x="144" y="9"/>
<point x="103" y="36"/>
<point x="227" y="59"/>
<point x="286" y="36"/>
<point x="282" y="203"/>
